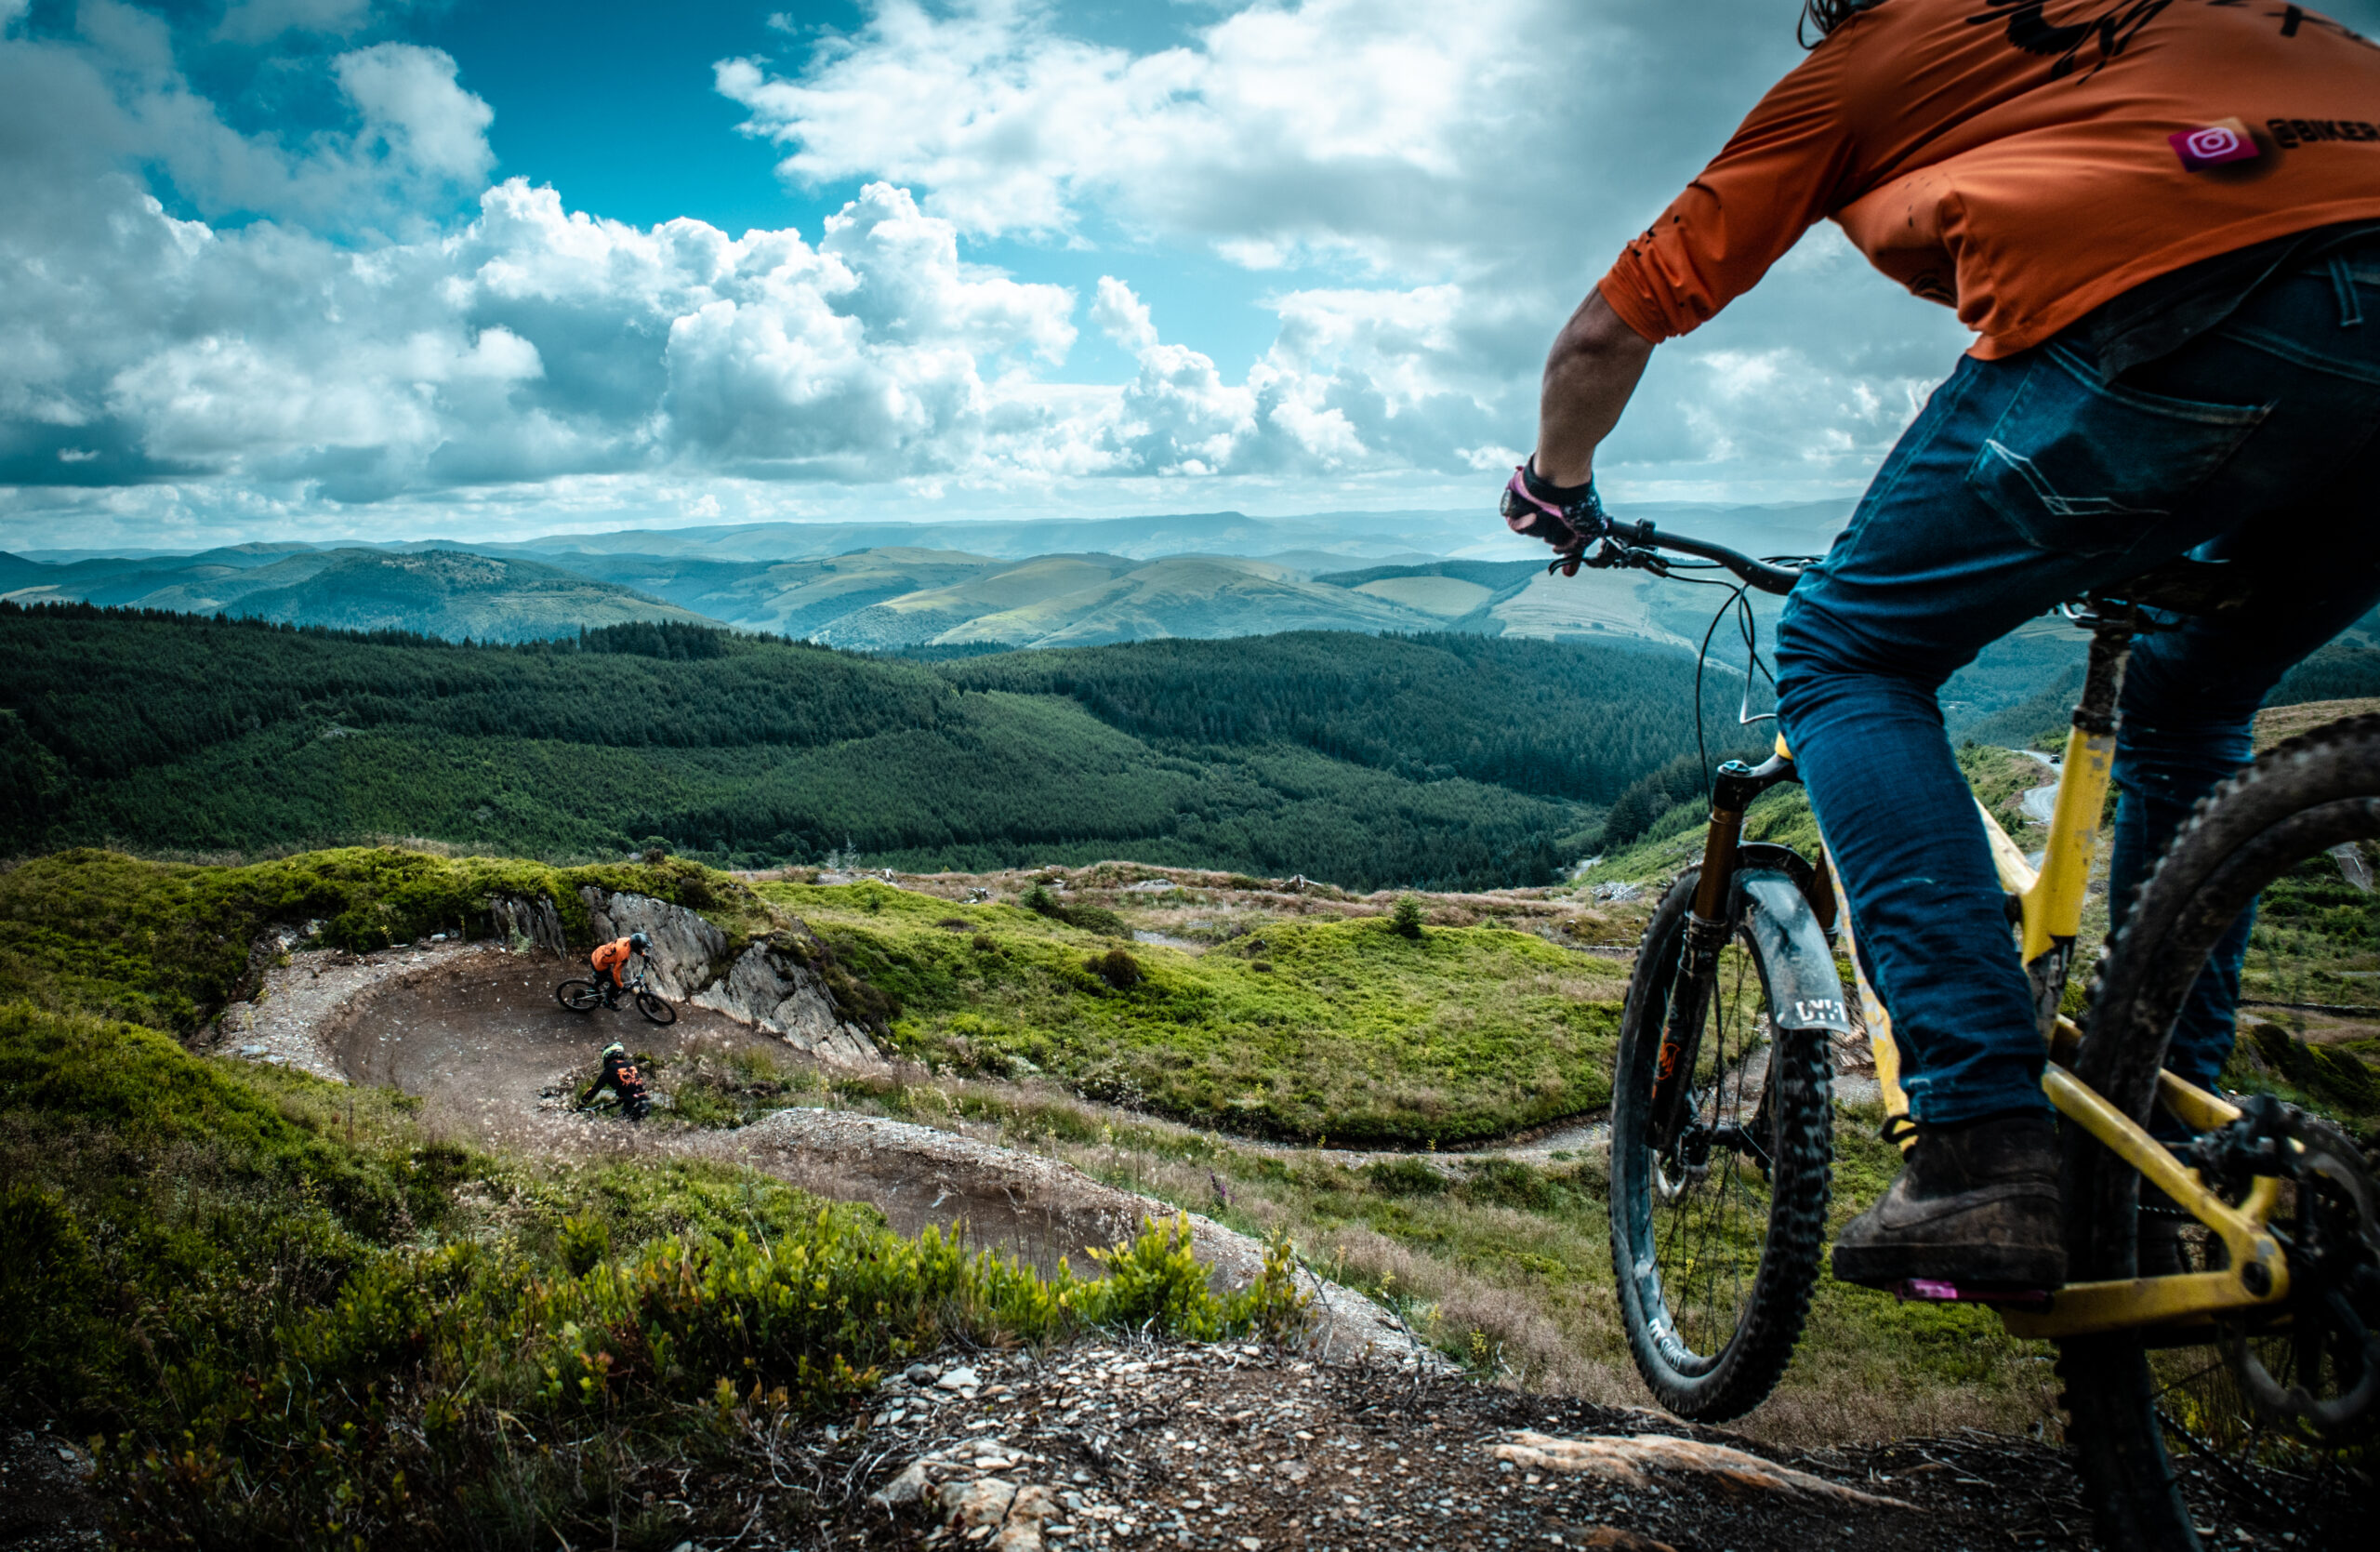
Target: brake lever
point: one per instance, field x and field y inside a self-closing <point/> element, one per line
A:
<point x="1610" y="555"/>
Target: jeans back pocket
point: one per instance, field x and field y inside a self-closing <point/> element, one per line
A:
<point x="2087" y="467"/>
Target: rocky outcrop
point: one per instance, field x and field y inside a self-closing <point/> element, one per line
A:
<point x="769" y="985"/>
<point x="520" y="921"/>
<point x="687" y="951"/>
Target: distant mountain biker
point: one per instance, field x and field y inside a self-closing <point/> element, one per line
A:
<point x="2162" y="220"/>
<point x="619" y="1074"/>
<point x="611" y="962"/>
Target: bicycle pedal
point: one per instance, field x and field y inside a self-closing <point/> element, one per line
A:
<point x="1930" y="1291"/>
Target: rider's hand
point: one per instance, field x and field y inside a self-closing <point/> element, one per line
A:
<point x="1567" y="517"/>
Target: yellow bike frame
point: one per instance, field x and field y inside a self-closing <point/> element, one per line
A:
<point x="2052" y="901"/>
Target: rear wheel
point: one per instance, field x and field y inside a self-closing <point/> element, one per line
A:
<point x="1716" y="1235"/>
<point x="579" y="996"/>
<point x="654" y="1008"/>
<point x="2246" y="1422"/>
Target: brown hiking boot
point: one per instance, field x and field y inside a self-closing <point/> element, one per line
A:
<point x="1976" y="1204"/>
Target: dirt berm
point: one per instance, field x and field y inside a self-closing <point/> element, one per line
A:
<point x="476" y="1032"/>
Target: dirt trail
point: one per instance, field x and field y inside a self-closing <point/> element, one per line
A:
<point x="476" y="1033"/>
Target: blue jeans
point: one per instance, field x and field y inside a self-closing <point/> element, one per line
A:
<point x="2024" y="483"/>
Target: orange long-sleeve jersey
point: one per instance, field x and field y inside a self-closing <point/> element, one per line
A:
<point x="2025" y="161"/>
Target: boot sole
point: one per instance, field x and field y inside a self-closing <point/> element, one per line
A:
<point x="1977" y="1266"/>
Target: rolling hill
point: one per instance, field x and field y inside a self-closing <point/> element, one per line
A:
<point x="453" y="594"/>
<point x="905" y="586"/>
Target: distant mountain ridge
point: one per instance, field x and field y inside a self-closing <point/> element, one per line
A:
<point x="454" y="594"/>
<point x="948" y="584"/>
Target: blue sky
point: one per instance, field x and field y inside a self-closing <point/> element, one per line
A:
<point x="403" y="268"/>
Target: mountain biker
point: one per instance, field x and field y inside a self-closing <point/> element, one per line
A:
<point x="611" y="959"/>
<point x="2162" y="221"/>
<point x="620" y="1076"/>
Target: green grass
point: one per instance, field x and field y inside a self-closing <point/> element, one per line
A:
<point x="1343" y="1029"/>
<point x="290" y="1315"/>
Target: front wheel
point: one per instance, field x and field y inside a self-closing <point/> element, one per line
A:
<point x="579" y="996"/>
<point x="654" y="1008"/>
<point x="1716" y="1233"/>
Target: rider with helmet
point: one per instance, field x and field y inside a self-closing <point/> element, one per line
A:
<point x="611" y="962"/>
<point x="619" y="1074"/>
<point x="2164" y="230"/>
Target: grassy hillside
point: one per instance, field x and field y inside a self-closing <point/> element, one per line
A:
<point x="222" y="1266"/>
<point x="1442" y="762"/>
<point x="1343" y="1029"/>
<point x="288" y="1315"/>
<point x="1529" y="716"/>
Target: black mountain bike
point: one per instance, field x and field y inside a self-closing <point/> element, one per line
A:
<point x="586" y="996"/>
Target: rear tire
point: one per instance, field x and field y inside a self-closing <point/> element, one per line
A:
<point x="2131" y="1404"/>
<point x="1715" y="1265"/>
<point x="579" y="996"/>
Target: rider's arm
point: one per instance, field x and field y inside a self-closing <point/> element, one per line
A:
<point x="1780" y="172"/>
<point x="1589" y="375"/>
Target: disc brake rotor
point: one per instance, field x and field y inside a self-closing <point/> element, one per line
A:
<point x="2329" y="1349"/>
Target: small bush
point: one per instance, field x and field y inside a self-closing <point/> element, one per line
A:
<point x="1116" y="967"/>
<point x="1407" y="920"/>
<point x="1404" y="1177"/>
<point x="583" y="1242"/>
<point x="1088" y="918"/>
<point x="1507" y="1182"/>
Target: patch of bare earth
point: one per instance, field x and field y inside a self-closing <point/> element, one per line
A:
<point x="1244" y="1448"/>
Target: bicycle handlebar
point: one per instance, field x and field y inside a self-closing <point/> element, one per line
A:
<point x="1639" y="543"/>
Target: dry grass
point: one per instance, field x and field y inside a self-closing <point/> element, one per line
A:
<point x="1506" y="1266"/>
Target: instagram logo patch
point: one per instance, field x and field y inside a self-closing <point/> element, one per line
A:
<point x="2226" y="139"/>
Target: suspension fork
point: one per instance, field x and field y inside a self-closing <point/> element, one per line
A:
<point x="1707" y="924"/>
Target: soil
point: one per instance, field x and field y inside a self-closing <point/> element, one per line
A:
<point x="1244" y="1449"/>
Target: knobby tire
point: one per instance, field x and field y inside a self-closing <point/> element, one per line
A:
<point x="2294" y="802"/>
<point x="1735" y="1374"/>
<point x="579" y="996"/>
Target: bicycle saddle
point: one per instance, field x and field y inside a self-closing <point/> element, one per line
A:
<point x="2183" y="586"/>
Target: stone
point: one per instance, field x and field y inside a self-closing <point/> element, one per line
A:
<point x="534" y="922"/>
<point x="773" y="989"/>
<point x="1028" y="1513"/>
<point x="959" y="1379"/>
<point x="905" y="1488"/>
<point x="1611" y="1538"/>
<point x="982" y="1503"/>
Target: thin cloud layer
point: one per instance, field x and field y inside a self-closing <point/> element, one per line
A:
<point x="344" y="325"/>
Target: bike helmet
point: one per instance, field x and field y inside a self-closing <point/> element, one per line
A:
<point x="615" y="1049"/>
<point x="640" y="942"/>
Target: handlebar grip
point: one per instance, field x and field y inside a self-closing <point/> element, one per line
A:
<point x="1755" y="574"/>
